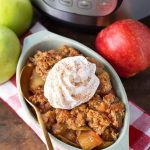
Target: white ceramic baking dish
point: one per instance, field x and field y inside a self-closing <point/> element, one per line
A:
<point x="45" y="40"/>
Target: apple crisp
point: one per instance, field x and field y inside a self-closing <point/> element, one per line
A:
<point x="93" y="125"/>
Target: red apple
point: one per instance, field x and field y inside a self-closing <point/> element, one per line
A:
<point x="126" y="45"/>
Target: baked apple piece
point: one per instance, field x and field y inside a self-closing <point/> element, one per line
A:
<point x="89" y="140"/>
<point x="35" y="81"/>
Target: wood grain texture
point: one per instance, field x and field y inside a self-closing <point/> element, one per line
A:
<point x="16" y="135"/>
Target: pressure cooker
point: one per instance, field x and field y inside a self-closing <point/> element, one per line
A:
<point x="94" y="12"/>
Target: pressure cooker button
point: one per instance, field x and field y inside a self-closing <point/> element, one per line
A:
<point x="49" y="2"/>
<point x="84" y="4"/>
<point x="106" y="7"/>
<point x="66" y="2"/>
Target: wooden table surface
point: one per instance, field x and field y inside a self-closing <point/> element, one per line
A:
<point x="16" y="135"/>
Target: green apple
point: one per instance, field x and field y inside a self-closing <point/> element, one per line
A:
<point x="9" y="53"/>
<point x="16" y="15"/>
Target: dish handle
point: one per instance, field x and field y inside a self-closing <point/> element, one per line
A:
<point x="36" y="38"/>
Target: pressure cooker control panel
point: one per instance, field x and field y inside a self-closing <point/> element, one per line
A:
<point x="84" y="7"/>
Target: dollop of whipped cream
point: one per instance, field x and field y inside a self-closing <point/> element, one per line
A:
<point x="71" y="82"/>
